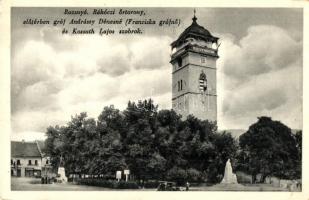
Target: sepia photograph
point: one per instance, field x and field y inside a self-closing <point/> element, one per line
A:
<point x="158" y="99"/>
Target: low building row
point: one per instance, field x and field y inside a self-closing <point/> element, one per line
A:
<point x="29" y="160"/>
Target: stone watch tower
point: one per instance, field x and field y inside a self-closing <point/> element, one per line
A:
<point x="194" y="76"/>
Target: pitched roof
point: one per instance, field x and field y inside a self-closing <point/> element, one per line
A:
<point x="24" y="149"/>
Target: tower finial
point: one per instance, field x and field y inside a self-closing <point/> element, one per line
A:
<point x="194" y="17"/>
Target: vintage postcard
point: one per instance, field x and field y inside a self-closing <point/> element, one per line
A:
<point x="138" y="99"/>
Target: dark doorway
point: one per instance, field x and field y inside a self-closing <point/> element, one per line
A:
<point x="29" y="173"/>
<point x="18" y="172"/>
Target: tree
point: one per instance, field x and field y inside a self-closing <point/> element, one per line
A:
<point x="269" y="148"/>
<point x="111" y="128"/>
<point x="152" y="144"/>
<point x="54" y="144"/>
<point x="77" y="138"/>
<point x="111" y="119"/>
<point x="177" y="174"/>
<point x="156" y="166"/>
<point x="225" y="148"/>
<point x="141" y="124"/>
<point x="298" y="139"/>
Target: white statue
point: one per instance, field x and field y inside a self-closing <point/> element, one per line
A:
<point x="229" y="176"/>
<point x="61" y="173"/>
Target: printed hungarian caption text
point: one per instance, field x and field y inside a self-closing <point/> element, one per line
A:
<point x="102" y="21"/>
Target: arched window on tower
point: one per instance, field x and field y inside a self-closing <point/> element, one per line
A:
<point x="180" y="84"/>
<point x="203" y="82"/>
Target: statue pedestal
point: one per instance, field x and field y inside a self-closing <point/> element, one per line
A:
<point x="61" y="173"/>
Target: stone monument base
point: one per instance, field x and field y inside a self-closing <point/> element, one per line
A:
<point x="61" y="175"/>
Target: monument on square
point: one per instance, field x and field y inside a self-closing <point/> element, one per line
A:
<point x="229" y="176"/>
<point x="61" y="175"/>
<point x="61" y="172"/>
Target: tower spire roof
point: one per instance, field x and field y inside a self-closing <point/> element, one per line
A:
<point x="195" y="31"/>
<point x="194" y="17"/>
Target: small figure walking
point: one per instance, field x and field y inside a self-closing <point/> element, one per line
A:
<point x="187" y="186"/>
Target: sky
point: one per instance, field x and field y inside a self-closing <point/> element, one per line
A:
<point x="55" y="76"/>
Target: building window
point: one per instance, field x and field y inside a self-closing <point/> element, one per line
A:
<point x="36" y="162"/>
<point x="29" y="162"/>
<point x="46" y="162"/>
<point x="18" y="162"/>
<point x="11" y="161"/>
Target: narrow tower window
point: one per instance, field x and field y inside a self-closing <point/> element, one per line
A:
<point x="179" y="62"/>
<point x="180" y="84"/>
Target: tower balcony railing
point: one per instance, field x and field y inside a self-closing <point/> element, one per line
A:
<point x="205" y="50"/>
<point x="195" y="48"/>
